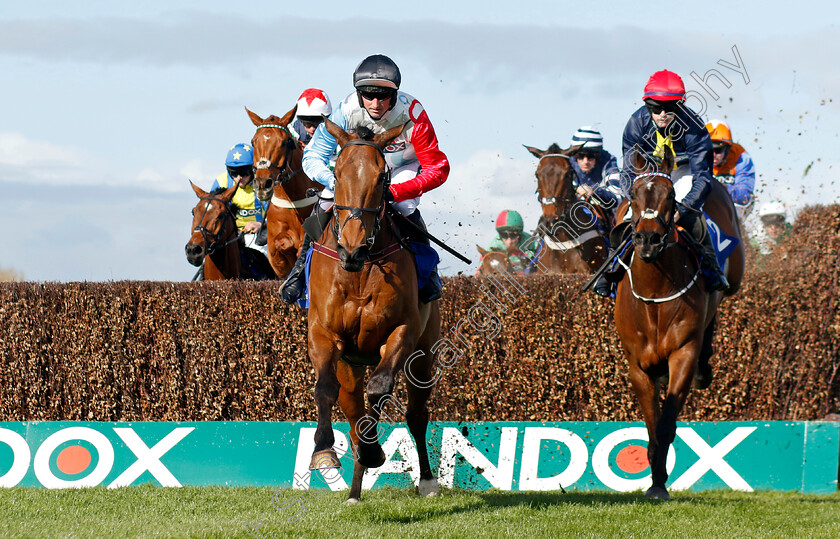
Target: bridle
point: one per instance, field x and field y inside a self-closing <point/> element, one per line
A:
<point x="649" y="213"/>
<point x="285" y="172"/>
<point x="568" y="205"/>
<point x="211" y="241"/>
<point x="357" y="212"/>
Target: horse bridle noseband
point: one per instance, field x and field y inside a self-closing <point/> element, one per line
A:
<point x="356" y="212"/>
<point x="285" y="173"/>
<point x="649" y="213"/>
<point x="213" y="244"/>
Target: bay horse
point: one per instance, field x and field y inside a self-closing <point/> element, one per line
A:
<point x="572" y="241"/>
<point x="279" y="177"/>
<point x="493" y="262"/>
<point x="364" y="312"/>
<point x="214" y="240"/>
<point x="664" y="316"/>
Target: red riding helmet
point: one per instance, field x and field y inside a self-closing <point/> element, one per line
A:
<point x="664" y="86"/>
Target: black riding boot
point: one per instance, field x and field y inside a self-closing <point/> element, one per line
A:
<point x="313" y="226"/>
<point x="294" y="285"/>
<point x="715" y="280"/>
<point x="434" y="288"/>
<point x="603" y="287"/>
<point x="692" y="221"/>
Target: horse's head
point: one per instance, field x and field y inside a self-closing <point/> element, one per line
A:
<point x="653" y="205"/>
<point x="554" y="180"/>
<point x="274" y="149"/>
<point x="361" y="178"/>
<point x="212" y="222"/>
<point x="493" y="262"/>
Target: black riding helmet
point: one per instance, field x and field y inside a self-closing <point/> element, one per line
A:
<point x="377" y="74"/>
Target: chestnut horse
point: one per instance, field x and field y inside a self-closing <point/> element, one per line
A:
<point x="364" y="312"/>
<point x="214" y="239"/>
<point x="493" y="262"/>
<point x="279" y="177"/>
<point x="664" y="315"/>
<point x="572" y="241"/>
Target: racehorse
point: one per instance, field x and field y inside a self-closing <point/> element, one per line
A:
<point x="364" y="312"/>
<point x="493" y="262"/>
<point x="279" y="177"/>
<point x="214" y="235"/>
<point x="664" y="316"/>
<point x="572" y="240"/>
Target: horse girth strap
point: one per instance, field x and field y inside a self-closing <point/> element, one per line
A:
<point x="375" y="257"/>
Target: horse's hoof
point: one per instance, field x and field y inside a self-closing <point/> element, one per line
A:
<point x="428" y="488"/>
<point x="352" y="501"/>
<point x="324" y="460"/>
<point x="657" y="493"/>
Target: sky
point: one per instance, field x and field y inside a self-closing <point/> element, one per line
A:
<point x="109" y="108"/>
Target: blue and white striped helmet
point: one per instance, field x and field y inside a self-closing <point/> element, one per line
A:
<point x="588" y="137"/>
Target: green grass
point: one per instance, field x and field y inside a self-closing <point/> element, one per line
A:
<point x="227" y="512"/>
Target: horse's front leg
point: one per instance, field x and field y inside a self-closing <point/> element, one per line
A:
<point x="379" y="390"/>
<point x="681" y="368"/>
<point x="324" y="353"/>
<point x="351" y="399"/>
<point x="648" y="396"/>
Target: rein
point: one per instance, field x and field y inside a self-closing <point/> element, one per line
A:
<point x="357" y="212"/>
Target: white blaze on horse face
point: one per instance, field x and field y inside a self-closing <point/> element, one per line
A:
<point x="263" y="163"/>
<point x="208" y="207"/>
<point x="266" y="137"/>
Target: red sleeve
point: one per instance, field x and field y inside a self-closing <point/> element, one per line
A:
<point x="434" y="166"/>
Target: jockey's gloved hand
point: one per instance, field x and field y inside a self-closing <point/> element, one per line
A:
<point x="388" y="195"/>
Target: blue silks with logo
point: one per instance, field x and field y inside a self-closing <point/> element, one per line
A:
<point x="723" y="243"/>
<point x="425" y="260"/>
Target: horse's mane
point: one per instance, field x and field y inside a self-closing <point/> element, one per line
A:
<point x="219" y="190"/>
<point x="554" y="148"/>
<point x="364" y="133"/>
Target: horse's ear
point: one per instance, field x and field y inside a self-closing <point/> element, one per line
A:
<point x="667" y="165"/>
<point x="572" y="150"/>
<point x="536" y="152"/>
<point x="639" y="163"/>
<point x="480" y="250"/>
<point x="198" y="191"/>
<point x="341" y="136"/>
<point x="383" y="139"/>
<point x="228" y="194"/>
<point x="287" y="119"/>
<point x="254" y="118"/>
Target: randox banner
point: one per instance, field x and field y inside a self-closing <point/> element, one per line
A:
<point x="608" y="456"/>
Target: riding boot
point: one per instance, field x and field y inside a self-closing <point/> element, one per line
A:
<point x="433" y="289"/>
<point x="294" y="285"/>
<point x="603" y="287"/>
<point x="715" y="278"/>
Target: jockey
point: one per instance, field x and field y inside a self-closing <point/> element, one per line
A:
<point x="312" y="105"/>
<point x="511" y="238"/>
<point x="249" y="210"/>
<point x="664" y="120"/>
<point x="597" y="176"/>
<point x="417" y="164"/>
<point x="733" y="167"/>
<point x="774" y="218"/>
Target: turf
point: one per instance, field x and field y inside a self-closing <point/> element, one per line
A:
<point x="263" y="512"/>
